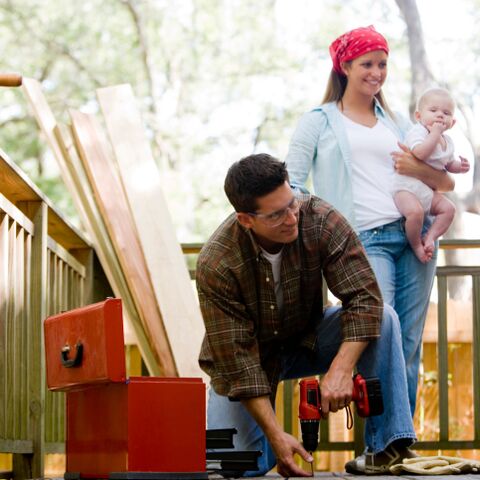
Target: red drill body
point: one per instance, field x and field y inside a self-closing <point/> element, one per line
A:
<point x="366" y="394"/>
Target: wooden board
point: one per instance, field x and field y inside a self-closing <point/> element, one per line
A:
<point x="106" y="252"/>
<point x="75" y="179"/>
<point x="113" y="205"/>
<point x="166" y="263"/>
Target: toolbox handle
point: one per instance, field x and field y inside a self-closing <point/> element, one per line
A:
<point x="76" y="360"/>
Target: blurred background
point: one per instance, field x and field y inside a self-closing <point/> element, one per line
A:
<point x="220" y="79"/>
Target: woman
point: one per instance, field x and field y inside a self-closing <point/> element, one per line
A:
<point x="346" y="143"/>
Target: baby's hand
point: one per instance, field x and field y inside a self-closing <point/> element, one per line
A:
<point x="438" y="127"/>
<point x="464" y="165"/>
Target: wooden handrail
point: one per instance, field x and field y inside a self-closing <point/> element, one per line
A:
<point x="445" y="244"/>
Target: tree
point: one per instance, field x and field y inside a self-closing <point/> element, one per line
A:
<point x="421" y="73"/>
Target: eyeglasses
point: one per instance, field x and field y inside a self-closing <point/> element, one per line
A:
<point x="277" y="218"/>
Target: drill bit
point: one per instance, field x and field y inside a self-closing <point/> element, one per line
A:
<point x="311" y="463"/>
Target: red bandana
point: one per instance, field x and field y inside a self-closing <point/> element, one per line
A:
<point x="354" y="44"/>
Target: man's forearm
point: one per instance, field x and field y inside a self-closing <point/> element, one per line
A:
<point x="348" y="355"/>
<point x="262" y="411"/>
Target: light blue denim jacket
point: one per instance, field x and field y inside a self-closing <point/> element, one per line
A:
<point x="320" y="145"/>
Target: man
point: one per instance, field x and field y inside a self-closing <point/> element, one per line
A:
<point x="259" y="279"/>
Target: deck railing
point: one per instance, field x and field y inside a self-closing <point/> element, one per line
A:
<point x="46" y="266"/>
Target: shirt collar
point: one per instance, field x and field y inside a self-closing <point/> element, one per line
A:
<point x="379" y="110"/>
<point x="248" y="232"/>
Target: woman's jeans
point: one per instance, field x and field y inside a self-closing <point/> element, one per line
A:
<point x="406" y="284"/>
<point x="383" y="358"/>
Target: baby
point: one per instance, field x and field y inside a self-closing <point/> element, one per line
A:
<point x="427" y="141"/>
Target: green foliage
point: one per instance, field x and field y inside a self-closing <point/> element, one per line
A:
<point x="201" y="71"/>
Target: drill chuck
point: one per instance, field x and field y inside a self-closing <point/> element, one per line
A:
<point x="310" y="434"/>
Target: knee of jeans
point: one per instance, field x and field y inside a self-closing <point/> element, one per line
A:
<point x="390" y="321"/>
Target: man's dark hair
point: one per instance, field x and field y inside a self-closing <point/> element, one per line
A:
<point x="253" y="177"/>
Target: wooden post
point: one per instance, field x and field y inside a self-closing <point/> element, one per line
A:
<point x="32" y="465"/>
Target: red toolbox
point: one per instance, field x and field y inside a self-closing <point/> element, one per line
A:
<point x="139" y="428"/>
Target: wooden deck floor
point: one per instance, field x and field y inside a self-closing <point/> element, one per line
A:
<point x="348" y="476"/>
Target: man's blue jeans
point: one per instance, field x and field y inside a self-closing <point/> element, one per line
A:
<point x="383" y="358"/>
<point x="406" y="284"/>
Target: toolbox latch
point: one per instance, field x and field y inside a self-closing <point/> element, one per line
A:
<point x="76" y="360"/>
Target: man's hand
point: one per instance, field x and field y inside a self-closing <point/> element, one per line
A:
<point x="285" y="447"/>
<point x="336" y="390"/>
<point x="336" y="387"/>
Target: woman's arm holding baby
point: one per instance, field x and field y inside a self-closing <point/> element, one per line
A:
<point x="407" y="164"/>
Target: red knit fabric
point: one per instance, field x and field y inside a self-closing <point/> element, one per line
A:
<point x="354" y="44"/>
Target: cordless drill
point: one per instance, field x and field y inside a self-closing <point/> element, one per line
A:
<point x="367" y="395"/>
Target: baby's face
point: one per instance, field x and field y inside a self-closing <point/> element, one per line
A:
<point x="437" y="108"/>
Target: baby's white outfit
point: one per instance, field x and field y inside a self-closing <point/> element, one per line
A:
<point x="438" y="160"/>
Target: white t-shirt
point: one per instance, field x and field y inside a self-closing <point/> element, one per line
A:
<point x="275" y="260"/>
<point x="372" y="173"/>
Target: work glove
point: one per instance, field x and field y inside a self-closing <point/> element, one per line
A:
<point x="438" y="465"/>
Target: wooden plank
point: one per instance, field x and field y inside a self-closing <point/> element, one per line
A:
<point x="10" y="333"/>
<point x="476" y="356"/>
<point x="142" y="184"/>
<point x="15" y="186"/>
<point x="115" y="210"/>
<point x="36" y="360"/>
<point x="4" y="284"/>
<point x="105" y="249"/>
<point x="27" y="338"/>
<point x="75" y="180"/>
<point x="20" y="334"/>
<point x="443" y="370"/>
<point x="16" y="214"/>
<point x="16" y="446"/>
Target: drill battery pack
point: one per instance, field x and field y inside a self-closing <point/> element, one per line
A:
<point x="367" y="396"/>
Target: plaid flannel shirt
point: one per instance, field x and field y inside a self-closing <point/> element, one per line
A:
<point x="245" y="335"/>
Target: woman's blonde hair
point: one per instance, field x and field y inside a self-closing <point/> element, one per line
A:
<point x="336" y="88"/>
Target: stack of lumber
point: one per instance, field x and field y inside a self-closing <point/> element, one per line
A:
<point x="116" y="187"/>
